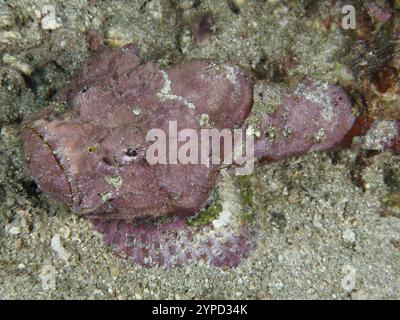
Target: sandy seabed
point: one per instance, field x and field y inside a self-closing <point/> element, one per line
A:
<point x="322" y="234"/>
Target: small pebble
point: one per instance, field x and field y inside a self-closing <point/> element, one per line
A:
<point x="23" y="67"/>
<point x="14" y="230"/>
<point x="49" y="19"/>
<point x="48" y="277"/>
<point x="58" y="248"/>
<point x="349" y="236"/>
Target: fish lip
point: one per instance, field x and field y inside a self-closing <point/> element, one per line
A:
<point x="72" y="198"/>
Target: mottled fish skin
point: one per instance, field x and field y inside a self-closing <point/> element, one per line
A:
<point x="311" y="117"/>
<point x="175" y="243"/>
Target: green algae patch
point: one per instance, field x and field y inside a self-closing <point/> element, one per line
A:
<point x="246" y="213"/>
<point x="106" y="196"/>
<point x="209" y="213"/>
<point x="246" y="195"/>
<point x="115" y="181"/>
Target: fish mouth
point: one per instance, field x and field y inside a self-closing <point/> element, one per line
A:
<point x="45" y="167"/>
